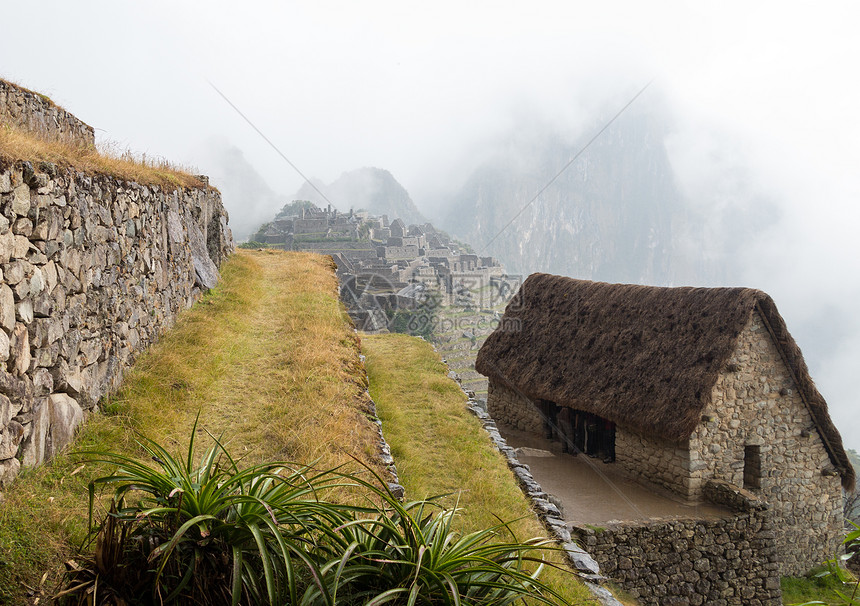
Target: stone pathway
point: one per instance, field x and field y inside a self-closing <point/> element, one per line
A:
<point x="592" y="492"/>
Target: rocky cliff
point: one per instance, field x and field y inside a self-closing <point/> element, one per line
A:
<point x="615" y="214"/>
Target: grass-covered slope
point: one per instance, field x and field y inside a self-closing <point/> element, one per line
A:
<point x="440" y="447"/>
<point x="268" y="359"/>
<point x="18" y="145"/>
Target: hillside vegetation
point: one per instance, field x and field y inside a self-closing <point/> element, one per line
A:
<point x="267" y="359"/>
<point x="270" y="362"/>
<point x="440" y="448"/>
<point x="16" y="145"/>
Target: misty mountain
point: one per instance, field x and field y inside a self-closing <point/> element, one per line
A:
<point x="372" y="189"/>
<point x="244" y="191"/>
<point x="616" y="214"/>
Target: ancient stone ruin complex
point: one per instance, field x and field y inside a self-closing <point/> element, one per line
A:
<point x="384" y="265"/>
<point x="710" y="400"/>
<point x="94" y="269"/>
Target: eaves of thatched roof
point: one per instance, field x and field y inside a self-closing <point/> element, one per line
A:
<point x="645" y="357"/>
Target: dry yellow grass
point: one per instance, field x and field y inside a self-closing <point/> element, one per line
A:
<point x="18" y="145"/>
<point x="32" y="92"/>
<point x="269" y="361"/>
<point x="440" y="447"/>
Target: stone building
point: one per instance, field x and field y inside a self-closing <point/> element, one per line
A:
<point x="702" y="385"/>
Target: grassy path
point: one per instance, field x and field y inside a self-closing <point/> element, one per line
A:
<point x="440" y="448"/>
<point x="266" y="359"/>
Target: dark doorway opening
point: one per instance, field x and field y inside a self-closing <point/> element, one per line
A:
<point x="579" y="431"/>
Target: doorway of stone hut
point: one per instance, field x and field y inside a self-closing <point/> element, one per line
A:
<point x="579" y="432"/>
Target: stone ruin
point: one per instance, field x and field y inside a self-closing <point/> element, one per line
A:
<point x="94" y="268"/>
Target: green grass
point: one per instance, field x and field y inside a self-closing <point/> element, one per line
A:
<point x="268" y="359"/>
<point x="439" y="446"/>
<point x="807" y="589"/>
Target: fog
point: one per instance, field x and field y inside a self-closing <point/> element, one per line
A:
<point x="763" y="101"/>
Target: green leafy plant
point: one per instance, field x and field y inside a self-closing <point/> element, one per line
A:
<point x="410" y="554"/>
<point x="210" y="533"/>
<point x="180" y="532"/>
<point x="835" y="569"/>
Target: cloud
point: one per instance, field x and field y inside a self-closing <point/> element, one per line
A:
<point x="763" y="93"/>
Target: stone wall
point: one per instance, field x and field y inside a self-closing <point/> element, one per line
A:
<point x="755" y="403"/>
<point x="510" y="408"/>
<point x="398" y="252"/>
<point x="642" y="458"/>
<point x="688" y="562"/>
<point x="94" y="269"/>
<point x="646" y="459"/>
<point x="39" y="115"/>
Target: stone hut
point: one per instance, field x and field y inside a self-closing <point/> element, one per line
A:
<point x="702" y="385"/>
<point x="398" y="229"/>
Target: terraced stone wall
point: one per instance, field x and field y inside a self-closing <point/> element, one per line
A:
<point x="510" y="408"/>
<point x="689" y="562"/>
<point x="92" y="270"/>
<point x="38" y="115"/>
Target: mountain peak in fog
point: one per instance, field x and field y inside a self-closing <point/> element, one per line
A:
<point x="615" y="214"/>
<point x="372" y="189"/>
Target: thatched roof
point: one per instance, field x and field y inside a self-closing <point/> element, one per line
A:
<point x="642" y="356"/>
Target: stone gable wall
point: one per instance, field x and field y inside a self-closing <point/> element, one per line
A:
<point x="755" y="403"/>
<point x="38" y="115"/>
<point x="93" y="269"/>
<point x="689" y="562"/>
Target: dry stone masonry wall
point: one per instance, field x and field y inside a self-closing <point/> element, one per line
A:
<point x="756" y="404"/>
<point x="93" y="270"/>
<point x="510" y="408"/>
<point x="688" y="562"/>
<point x="658" y="462"/>
<point x="40" y="116"/>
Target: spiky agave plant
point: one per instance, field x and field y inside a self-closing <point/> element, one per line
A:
<point x="215" y="533"/>
<point x="408" y="553"/>
<point x="212" y="532"/>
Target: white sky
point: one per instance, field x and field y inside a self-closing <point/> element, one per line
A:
<point x="770" y="89"/>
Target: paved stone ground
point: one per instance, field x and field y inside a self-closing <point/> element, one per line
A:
<point x="593" y="492"/>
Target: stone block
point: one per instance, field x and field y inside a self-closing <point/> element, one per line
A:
<point x="8" y="471"/>
<point x="66" y="415"/>
<point x="20" y="350"/>
<point x="7" y="246"/>
<point x="4" y="346"/>
<point x="21" y="200"/>
<point x="34" y="446"/>
<point x="10" y="439"/>
<point x="20" y="247"/>
<point x="5" y="182"/>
